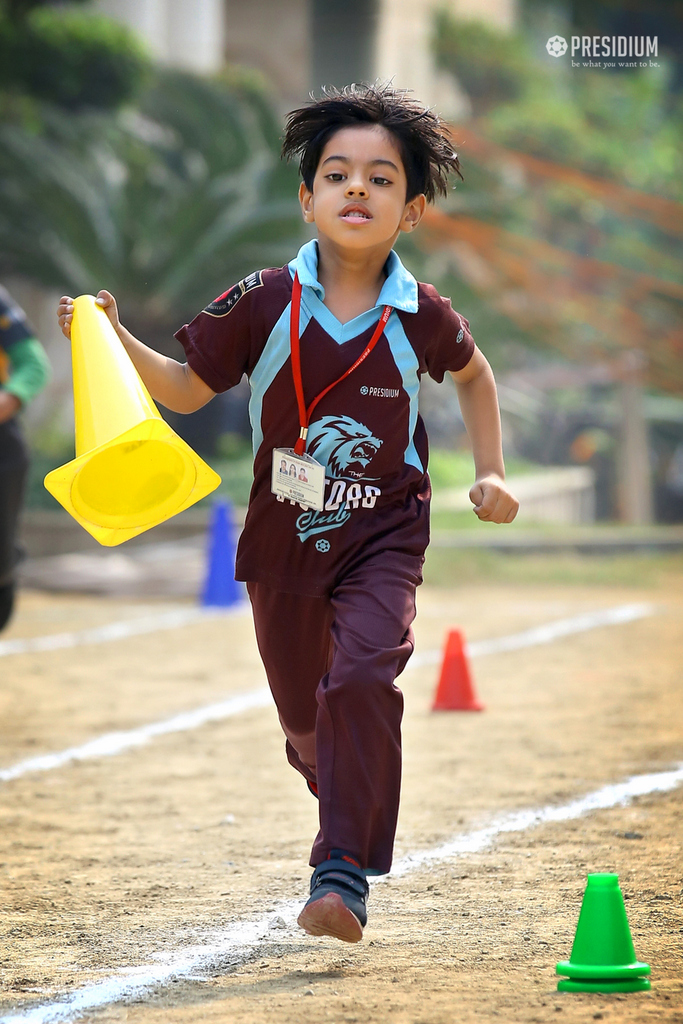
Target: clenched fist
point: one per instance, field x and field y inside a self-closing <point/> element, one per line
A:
<point x="492" y="500"/>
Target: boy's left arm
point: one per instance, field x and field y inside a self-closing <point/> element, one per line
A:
<point x="478" y="399"/>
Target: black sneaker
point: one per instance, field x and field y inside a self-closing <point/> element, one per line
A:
<point x="336" y="906"/>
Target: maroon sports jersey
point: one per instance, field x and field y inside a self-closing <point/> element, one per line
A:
<point x="367" y="431"/>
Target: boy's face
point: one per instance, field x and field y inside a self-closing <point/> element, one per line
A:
<point x="359" y="190"/>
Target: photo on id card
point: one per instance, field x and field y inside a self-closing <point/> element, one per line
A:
<point x="298" y="478"/>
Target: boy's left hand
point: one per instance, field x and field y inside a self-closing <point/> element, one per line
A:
<point x="492" y="500"/>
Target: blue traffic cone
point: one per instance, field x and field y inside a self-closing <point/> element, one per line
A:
<point x="220" y="588"/>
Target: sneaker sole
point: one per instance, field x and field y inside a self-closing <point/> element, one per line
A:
<point x="330" y="916"/>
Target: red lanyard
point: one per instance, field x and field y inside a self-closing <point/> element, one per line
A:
<point x="304" y="413"/>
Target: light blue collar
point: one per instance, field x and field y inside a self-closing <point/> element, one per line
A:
<point x="398" y="291"/>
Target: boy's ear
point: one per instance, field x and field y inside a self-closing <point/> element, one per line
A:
<point x="413" y="213"/>
<point x="306" y="200"/>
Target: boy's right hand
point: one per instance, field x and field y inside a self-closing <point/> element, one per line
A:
<point x="65" y="311"/>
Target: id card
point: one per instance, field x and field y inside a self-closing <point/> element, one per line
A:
<point x="299" y="478"/>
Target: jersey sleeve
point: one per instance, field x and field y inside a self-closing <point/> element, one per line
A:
<point x="449" y="342"/>
<point x="24" y="367"/>
<point x="29" y="369"/>
<point x="220" y="343"/>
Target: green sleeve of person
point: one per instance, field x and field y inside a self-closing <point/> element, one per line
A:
<point x="29" y="369"/>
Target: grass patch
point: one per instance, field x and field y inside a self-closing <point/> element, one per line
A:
<point x="448" y="469"/>
<point x="449" y="567"/>
<point x="237" y="476"/>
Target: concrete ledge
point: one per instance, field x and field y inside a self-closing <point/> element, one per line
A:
<point x="560" y="494"/>
<point x="44" y="532"/>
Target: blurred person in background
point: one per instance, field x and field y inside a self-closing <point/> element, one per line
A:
<point x="24" y="371"/>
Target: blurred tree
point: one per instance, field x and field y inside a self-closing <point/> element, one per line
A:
<point x="628" y="127"/>
<point x="161" y="186"/>
<point x="661" y="18"/>
<point x="19" y="10"/>
<point x="71" y="58"/>
<point x="589" y="265"/>
<point x="165" y="204"/>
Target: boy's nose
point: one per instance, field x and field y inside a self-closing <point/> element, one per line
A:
<point x="356" y="188"/>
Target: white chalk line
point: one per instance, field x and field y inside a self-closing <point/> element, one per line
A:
<point x="112" y="743"/>
<point x="546" y="633"/>
<point x="120" y="630"/>
<point x="233" y="946"/>
<point x="616" y="795"/>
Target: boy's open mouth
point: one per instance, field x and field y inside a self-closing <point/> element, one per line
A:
<point x="354" y="213"/>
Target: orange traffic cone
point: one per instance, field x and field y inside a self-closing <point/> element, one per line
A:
<point x="455" y="690"/>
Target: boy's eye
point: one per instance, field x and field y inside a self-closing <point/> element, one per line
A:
<point x="335" y="176"/>
<point x="379" y="180"/>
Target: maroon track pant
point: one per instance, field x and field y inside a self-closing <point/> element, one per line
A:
<point x="331" y="663"/>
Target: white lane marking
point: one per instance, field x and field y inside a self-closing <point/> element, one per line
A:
<point x="125" y="628"/>
<point x="115" y="742"/>
<point x="112" y="743"/>
<point x="120" y="630"/>
<point x="546" y="633"/>
<point x="233" y="946"/>
<point x="616" y="795"/>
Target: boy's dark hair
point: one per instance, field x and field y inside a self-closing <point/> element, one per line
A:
<point x="422" y="137"/>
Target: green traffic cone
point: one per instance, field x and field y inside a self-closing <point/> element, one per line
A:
<point x="603" y="958"/>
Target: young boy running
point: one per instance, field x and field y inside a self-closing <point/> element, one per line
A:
<point x="334" y="345"/>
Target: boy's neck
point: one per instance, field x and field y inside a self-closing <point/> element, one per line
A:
<point x="352" y="278"/>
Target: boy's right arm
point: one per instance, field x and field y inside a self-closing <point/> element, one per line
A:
<point x="174" y="384"/>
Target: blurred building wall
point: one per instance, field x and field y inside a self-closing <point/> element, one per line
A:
<point x="343" y="36"/>
<point x="274" y="37"/>
<point x="300" y="45"/>
<point x="188" y="34"/>
<point x="403" y="53"/>
<point x="501" y="13"/>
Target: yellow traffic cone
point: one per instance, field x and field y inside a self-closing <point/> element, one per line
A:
<point x="131" y="471"/>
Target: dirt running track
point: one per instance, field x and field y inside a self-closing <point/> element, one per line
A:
<point x="107" y="863"/>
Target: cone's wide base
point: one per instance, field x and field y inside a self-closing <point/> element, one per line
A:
<point x="603" y="972"/>
<point x="131" y="483"/>
<point x="471" y="705"/>
<point x="620" y="985"/>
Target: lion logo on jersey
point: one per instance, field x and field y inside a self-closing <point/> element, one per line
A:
<point x="344" y="445"/>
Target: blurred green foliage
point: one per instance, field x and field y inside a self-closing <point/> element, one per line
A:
<point x="492" y="66"/>
<point x="237" y="476"/>
<point x="449" y="469"/>
<point x="234" y="463"/>
<point x="165" y="203"/>
<point x="628" y="127"/>
<point x="19" y="10"/>
<point x="504" y="343"/>
<point x="70" y="58"/>
<point x="611" y="146"/>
